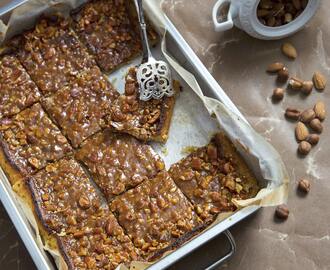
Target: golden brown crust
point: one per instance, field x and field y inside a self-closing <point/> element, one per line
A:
<point x="145" y="120"/>
<point x="212" y="176"/>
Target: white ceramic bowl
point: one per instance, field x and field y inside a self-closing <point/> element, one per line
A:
<point x="243" y="14"/>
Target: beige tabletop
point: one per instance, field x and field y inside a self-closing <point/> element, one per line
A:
<point x="238" y="63"/>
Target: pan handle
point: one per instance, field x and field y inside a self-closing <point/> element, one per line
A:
<point x="10" y="5"/>
<point x="228" y="255"/>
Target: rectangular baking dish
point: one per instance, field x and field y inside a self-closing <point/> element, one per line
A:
<point x="181" y="51"/>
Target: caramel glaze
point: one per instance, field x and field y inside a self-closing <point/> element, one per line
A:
<point x="52" y="54"/>
<point x="145" y="120"/>
<point x="118" y="162"/>
<point x="30" y="140"/>
<point x="212" y="176"/>
<point x="17" y="90"/>
<point x="155" y="215"/>
<point x="80" y="107"/>
<point x="64" y="196"/>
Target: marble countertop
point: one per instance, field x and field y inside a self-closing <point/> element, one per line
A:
<point x="238" y="63"/>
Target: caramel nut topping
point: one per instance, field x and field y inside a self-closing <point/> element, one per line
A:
<point x="155" y="214"/>
<point x="52" y="55"/>
<point x="17" y="90"/>
<point x="108" y="31"/>
<point x="145" y="120"/>
<point x="211" y="177"/>
<point x="28" y="146"/>
<point x="118" y="161"/>
<point x="70" y="197"/>
<point x="97" y="248"/>
<point x="80" y="107"/>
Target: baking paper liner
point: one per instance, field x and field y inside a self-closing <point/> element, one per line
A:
<point x="192" y="124"/>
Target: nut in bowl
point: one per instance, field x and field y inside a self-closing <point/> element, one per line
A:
<point x="265" y="19"/>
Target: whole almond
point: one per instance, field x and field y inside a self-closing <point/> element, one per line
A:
<point x="304" y="147"/>
<point x="301" y="131"/>
<point x="313" y="139"/>
<point x="319" y="109"/>
<point x="278" y="94"/>
<point x="304" y="185"/>
<point x="282" y="211"/>
<point x="295" y="83"/>
<point x="296" y="4"/>
<point x="292" y="113"/>
<point x="289" y="50"/>
<point x="307" y="115"/>
<point x="316" y="125"/>
<point x="307" y="87"/>
<point x="319" y="81"/>
<point x="275" y="67"/>
<point x="283" y="75"/>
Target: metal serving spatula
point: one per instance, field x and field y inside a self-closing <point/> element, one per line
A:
<point x="154" y="77"/>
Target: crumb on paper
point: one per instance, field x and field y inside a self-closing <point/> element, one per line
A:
<point x="164" y="151"/>
<point x="188" y="149"/>
<point x="113" y="81"/>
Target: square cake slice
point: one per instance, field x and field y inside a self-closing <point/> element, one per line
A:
<point x="79" y="108"/>
<point x="63" y="196"/>
<point x="145" y="120"/>
<point x="101" y="244"/>
<point x="30" y="140"/>
<point x="212" y="175"/>
<point x="107" y="30"/>
<point x="52" y="54"/>
<point x="156" y="216"/>
<point x="118" y="162"/>
<point x="17" y="90"/>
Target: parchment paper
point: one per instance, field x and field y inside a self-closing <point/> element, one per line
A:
<point x="191" y="123"/>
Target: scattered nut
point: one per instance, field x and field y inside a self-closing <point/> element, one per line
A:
<point x="307" y="87"/>
<point x="295" y="83"/>
<point x="282" y="211"/>
<point x="301" y="131"/>
<point x="304" y="147"/>
<point x="289" y="50"/>
<point x="307" y="115"/>
<point x="278" y="94"/>
<point x="319" y="109"/>
<point x="292" y="113"/>
<point x="283" y="75"/>
<point x="274" y="13"/>
<point x="316" y="125"/>
<point x="319" y="81"/>
<point x="275" y="67"/>
<point x="304" y="185"/>
<point x="313" y="139"/>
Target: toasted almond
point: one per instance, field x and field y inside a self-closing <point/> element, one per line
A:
<point x="295" y="83"/>
<point x="316" y="125"/>
<point x="307" y="87"/>
<point x="313" y="139"/>
<point x="307" y="115"/>
<point x="319" y="109"/>
<point x="275" y="67"/>
<point x="319" y="81"/>
<point x="304" y="147"/>
<point x="289" y="50"/>
<point x="301" y="131"/>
